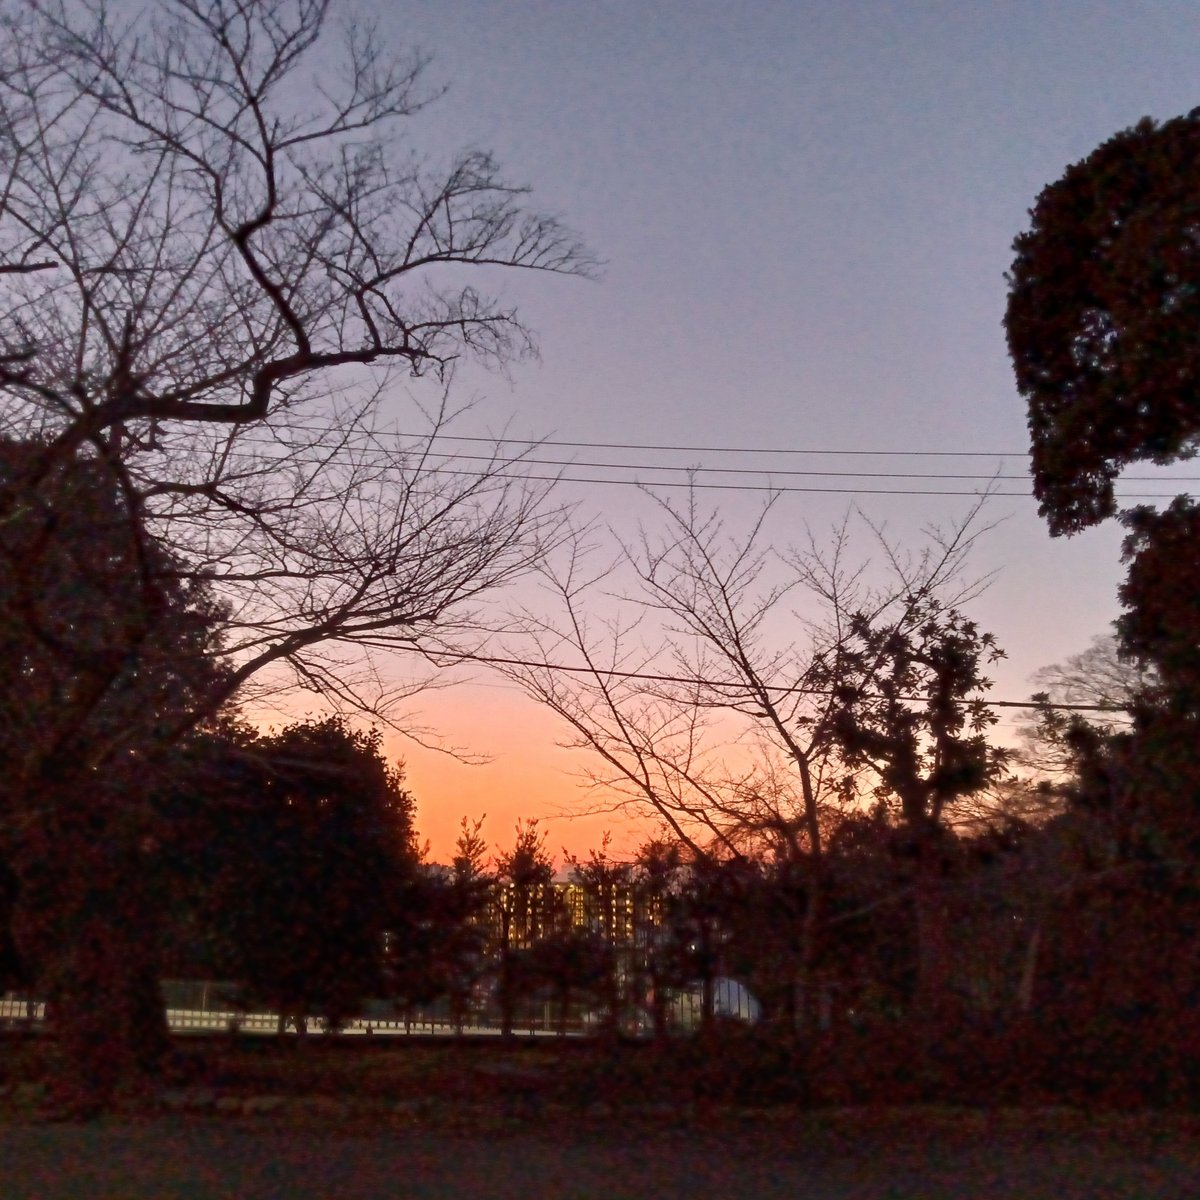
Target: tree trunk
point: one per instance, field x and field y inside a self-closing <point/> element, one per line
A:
<point x="708" y="1006"/>
<point x="564" y="1007"/>
<point x="507" y="996"/>
<point x="612" y="1002"/>
<point x="932" y="996"/>
<point x="108" y="1017"/>
<point x="93" y="930"/>
<point x="659" y="1002"/>
<point x="1029" y="971"/>
<point x="801" y="1014"/>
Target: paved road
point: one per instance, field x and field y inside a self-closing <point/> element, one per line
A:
<point x="170" y="1159"/>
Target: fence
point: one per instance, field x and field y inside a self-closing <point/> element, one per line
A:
<point x="18" y="1012"/>
<point x="202" y="1006"/>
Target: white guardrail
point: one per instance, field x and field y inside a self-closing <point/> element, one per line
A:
<point x="16" y="1013"/>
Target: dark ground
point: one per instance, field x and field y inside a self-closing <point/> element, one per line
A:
<point x="342" y="1119"/>
<point x="910" y="1156"/>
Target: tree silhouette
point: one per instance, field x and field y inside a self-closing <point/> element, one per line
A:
<point x="523" y="877"/>
<point x="1104" y="331"/>
<point x="216" y="241"/>
<point x="312" y="852"/>
<point x="1104" y="318"/>
<point x="106" y="645"/>
<point x="912" y="708"/>
<point x="694" y="660"/>
<point x="458" y="903"/>
<point x="607" y="890"/>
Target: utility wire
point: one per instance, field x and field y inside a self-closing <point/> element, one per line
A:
<point x="505" y="471"/>
<point x="701" y="470"/>
<point x="650" y="677"/>
<point x="505" y="468"/>
<point x="781" y="490"/>
<point x="534" y="443"/>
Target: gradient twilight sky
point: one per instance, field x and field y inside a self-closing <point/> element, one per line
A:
<point x="806" y="210"/>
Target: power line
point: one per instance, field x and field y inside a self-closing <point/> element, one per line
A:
<point x="781" y="490"/>
<point x="651" y="677"/>
<point x="504" y="468"/>
<point x="532" y="442"/>
<point x="702" y="470"/>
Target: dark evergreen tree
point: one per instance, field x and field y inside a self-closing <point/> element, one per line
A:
<point x="604" y="959"/>
<point x="464" y="900"/>
<point x="106" y="647"/>
<point x="1104" y="318"/>
<point x="315" y="855"/>
<point x="523" y="878"/>
<point x="658" y="965"/>
<point x="1104" y="330"/>
<point x="911" y="709"/>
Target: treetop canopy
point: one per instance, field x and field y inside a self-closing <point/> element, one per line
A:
<point x="1103" y="318"/>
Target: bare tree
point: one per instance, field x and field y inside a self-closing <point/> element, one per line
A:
<point x="1098" y="677"/>
<point x="709" y="700"/>
<point x="230" y="220"/>
<point x="218" y="246"/>
<point x="237" y="239"/>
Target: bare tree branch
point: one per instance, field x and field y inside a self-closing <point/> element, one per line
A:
<point x="221" y="238"/>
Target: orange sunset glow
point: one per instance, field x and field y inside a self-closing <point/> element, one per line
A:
<point x="525" y="774"/>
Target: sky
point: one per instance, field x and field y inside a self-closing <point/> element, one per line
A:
<point x="806" y="211"/>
